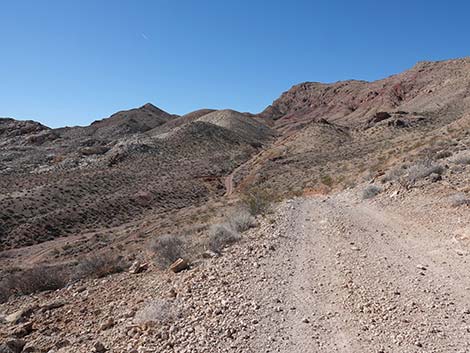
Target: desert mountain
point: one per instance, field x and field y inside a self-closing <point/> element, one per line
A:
<point x="347" y="176"/>
<point x="58" y="182"/>
<point x="116" y="170"/>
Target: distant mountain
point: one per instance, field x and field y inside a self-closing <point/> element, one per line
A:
<point x="145" y="164"/>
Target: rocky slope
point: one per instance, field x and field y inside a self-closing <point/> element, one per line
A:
<point x="301" y="280"/>
<point x="325" y="274"/>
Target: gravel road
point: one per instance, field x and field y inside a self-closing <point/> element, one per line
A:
<point x="347" y="276"/>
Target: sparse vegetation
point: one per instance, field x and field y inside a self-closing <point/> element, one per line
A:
<point x="157" y="311"/>
<point x="220" y="236"/>
<point x="395" y="173"/>
<point x="327" y="180"/>
<point x="257" y="201"/>
<point x="461" y="158"/>
<point x="32" y="281"/>
<point x="371" y="191"/>
<point x="443" y="154"/>
<point x="167" y="249"/>
<point x="100" y="266"/>
<point x="241" y="220"/>
<point x="459" y="199"/>
<point x="422" y="170"/>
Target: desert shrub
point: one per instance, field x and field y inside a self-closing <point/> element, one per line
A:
<point x="422" y="170"/>
<point x="371" y="191"/>
<point x="257" y="202"/>
<point x="157" y="311"/>
<point x="222" y="235"/>
<point x="241" y="220"/>
<point x="100" y="266"/>
<point x="327" y="180"/>
<point x="395" y="173"/>
<point x="33" y="280"/>
<point x="167" y="249"/>
<point x="459" y="199"/>
<point x="443" y="154"/>
<point x="461" y="158"/>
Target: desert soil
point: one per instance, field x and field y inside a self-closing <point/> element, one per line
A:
<point x="319" y="274"/>
<point x="351" y="276"/>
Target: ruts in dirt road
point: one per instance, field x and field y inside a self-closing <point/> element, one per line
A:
<point x="349" y="277"/>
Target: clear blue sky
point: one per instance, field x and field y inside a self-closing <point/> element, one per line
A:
<point x="69" y="62"/>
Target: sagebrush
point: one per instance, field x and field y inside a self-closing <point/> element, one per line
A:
<point x="460" y="199"/>
<point x="371" y="191"/>
<point x="167" y="249"/>
<point x="461" y="158"/>
<point x="257" y="202"/>
<point x="222" y="235"/>
<point x="422" y="170"/>
<point x="33" y="280"/>
<point x="241" y="220"/>
<point x="100" y="266"/>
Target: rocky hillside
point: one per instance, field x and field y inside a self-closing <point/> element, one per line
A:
<point x="61" y="182"/>
<point x="339" y="134"/>
<point x="93" y="199"/>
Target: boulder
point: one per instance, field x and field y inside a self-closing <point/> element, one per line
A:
<point x="138" y="267"/>
<point x="23" y="330"/>
<point x="179" y="265"/>
<point x="99" y="347"/>
<point x="19" y="316"/>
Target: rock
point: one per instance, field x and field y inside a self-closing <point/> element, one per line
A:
<point x="377" y="118"/>
<point x="99" y="347"/>
<point x="12" y="346"/>
<point x="52" y="306"/>
<point x="89" y="151"/>
<point x="179" y="265"/>
<point x="23" y="330"/>
<point x="209" y="254"/>
<point x="138" y="267"/>
<point x="171" y="293"/>
<point x="108" y="324"/>
<point x="434" y="177"/>
<point x="19" y="316"/>
<point x="305" y="320"/>
<point x="62" y="343"/>
<point x="421" y="267"/>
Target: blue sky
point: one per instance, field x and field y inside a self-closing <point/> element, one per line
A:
<point x="72" y="62"/>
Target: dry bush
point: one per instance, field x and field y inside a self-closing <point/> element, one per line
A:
<point x="257" y="202"/>
<point x="461" y="158"/>
<point x="443" y="154"/>
<point x="157" y="311"/>
<point x="33" y="280"/>
<point x="167" y="249"/>
<point x="327" y="180"/>
<point x="422" y="170"/>
<point x="241" y="220"/>
<point x="395" y="173"/>
<point x="220" y="236"/>
<point x="100" y="266"/>
<point x="371" y="191"/>
<point x="459" y="199"/>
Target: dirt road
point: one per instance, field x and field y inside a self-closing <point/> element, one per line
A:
<point x="350" y="277"/>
